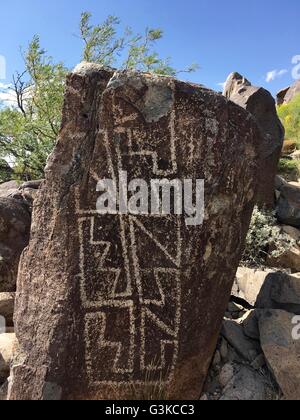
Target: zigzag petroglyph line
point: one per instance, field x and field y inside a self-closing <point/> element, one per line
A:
<point x="145" y="318"/>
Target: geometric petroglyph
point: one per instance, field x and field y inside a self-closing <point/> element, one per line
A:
<point x="120" y="294"/>
<point x="131" y="297"/>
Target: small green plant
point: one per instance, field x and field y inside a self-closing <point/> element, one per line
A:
<point x="290" y="117"/>
<point x="289" y="169"/>
<point x="264" y="239"/>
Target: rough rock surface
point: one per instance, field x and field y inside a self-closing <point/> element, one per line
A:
<point x="234" y="334"/>
<point x="14" y="236"/>
<point x="3" y="391"/>
<point x="260" y="103"/>
<point x="274" y="326"/>
<point x="288" y="202"/>
<point x="248" y="284"/>
<point x="281" y="350"/>
<point x="8" y="188"/>
<point x="7" y="301"/>
<point x="93" y="311"/>
<point x="286" y="95"/>
<point x="246" y="385"/>
<point x="290" y="259"/>
<point x="268" y="289"/>
<point x="8" y="345"/>
<point x="15" y="218"/>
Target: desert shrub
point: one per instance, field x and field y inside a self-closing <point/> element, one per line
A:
<point x="290" y="117"/>
<point x="289" y="169"/>
<point x="30" y="122"/>
<point x="264" y="239"/>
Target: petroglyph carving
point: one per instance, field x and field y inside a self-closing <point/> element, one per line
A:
<point x="114" y="279"/>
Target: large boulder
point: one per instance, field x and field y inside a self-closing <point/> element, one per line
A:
<point x="8" y="188"/>
<point x="288" y="202"/>
<point x="260" y="103"/>
<point x="288" y="94"/>
<point x="107" y="300"/>
<point x="25" y="192"/>
<point x="7" y="303"/>
<point x="15" y="218"/>
<point x="247" y="385"/>
<point x="243" y="345"/>
<point x="248" y="284"/>
<point x="14" y="236"/>
<point x="8" y="346"/>
<point x="282" y="350"/>
<point x="268" y="289"/>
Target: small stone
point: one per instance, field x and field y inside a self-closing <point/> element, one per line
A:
<point x="224" y="349"/>
<point x="282" y="350"/>
<point x="217" y="359"/>
<point x="234" y="334"/>
<point x="259" y="362"/>
<point x="7" y="348"/>
<point x="246" y="385"/>
<point x="7" y="301"/>
<point x="250" y="325"/>
<point x="226" y="374"/>
<point x="234" y="308"/>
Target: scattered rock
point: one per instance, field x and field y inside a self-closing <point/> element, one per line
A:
<point x="234" y="308"/>
<point x="288" y="203"/>
<point x="26" y="192"/>
<point x="259" y="362"/>
<point x="8" y="189"/>
<point x="250" y="325"/>
<point x="234" y="334"/>
<point x="144" y="124"/>
<point x="8" y="345"/>
<point x="282" y="352"/>
<point x="248" y="284"/>
<point x="289" y="260"/>
<point x="289" y="147"/>
<point x="280" y="291"/>
<point x="246" y="385"/>
<point x="292" y="232"/>
<point x="296" y="155"/>
<point x="268" y="289"/>
<point x="217" y="359"/>
<point x="14" y="236"/>
<point x="3" y="391"/>
<point x="288" y="94"/>
<point x="260" y="103"/>
<point x="7" y="302"/>
<point x="224" y="349"/>
<point x="226" y="374"/>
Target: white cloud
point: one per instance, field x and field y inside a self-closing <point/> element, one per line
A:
<point x="7" y="96"/>
<point x="222" y="85"/>
<point x="4" y="85"/>
<point x="275" y="74"/>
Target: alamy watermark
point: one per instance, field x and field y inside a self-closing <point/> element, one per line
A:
<point x="296" y="68"/>
<point x="2" y="325"/>
<point x="296" y="329"/>
<point x="160" y="197"/>
<point x="2" y="67"/>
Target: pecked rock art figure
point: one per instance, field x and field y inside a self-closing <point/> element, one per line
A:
<point x="112" y="305"/>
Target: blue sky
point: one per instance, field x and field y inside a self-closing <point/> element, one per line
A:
<point x="253" y="37"/>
